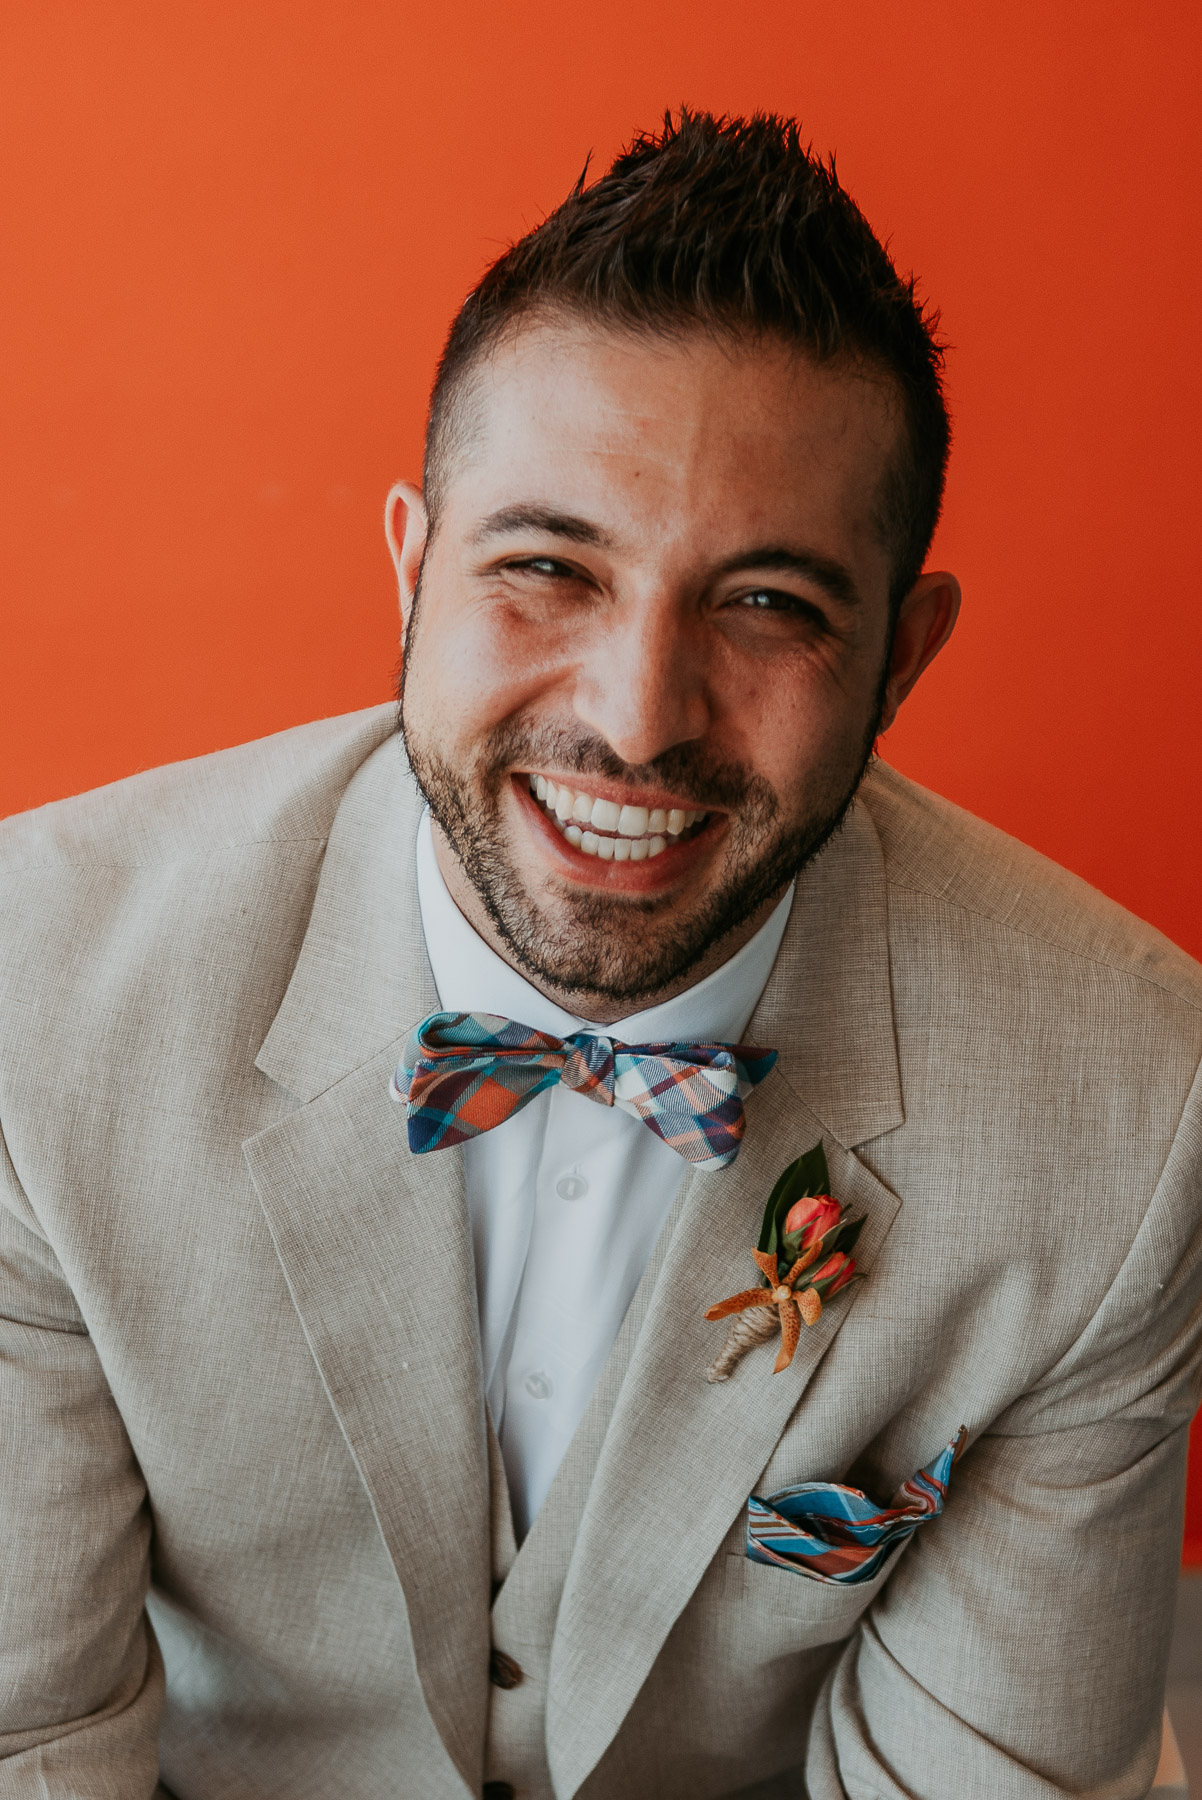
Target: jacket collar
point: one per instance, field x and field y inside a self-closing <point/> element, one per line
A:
<point x="362" y="978"/>
<point x="828" y="1008"/>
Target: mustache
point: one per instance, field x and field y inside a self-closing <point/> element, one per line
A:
<point x="684" y="769"/>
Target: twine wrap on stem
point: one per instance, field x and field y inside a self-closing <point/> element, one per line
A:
<point x="747" y="1329"/>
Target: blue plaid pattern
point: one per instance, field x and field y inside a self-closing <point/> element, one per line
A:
<point x="836" y="1534"/>
<point x="464" y="1073"/>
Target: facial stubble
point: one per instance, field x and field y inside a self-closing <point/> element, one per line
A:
<point x="624" y="949"/>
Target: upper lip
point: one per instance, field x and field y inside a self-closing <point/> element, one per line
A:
<point x="601" y="789"/>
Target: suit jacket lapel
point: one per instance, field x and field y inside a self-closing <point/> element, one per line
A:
<point x="681" y="1454"/>
<point x="375" y="1246"/>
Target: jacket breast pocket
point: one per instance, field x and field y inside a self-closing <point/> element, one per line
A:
<point x="801" y="1611"/>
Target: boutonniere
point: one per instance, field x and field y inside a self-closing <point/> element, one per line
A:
<point x="804" y="1257"/>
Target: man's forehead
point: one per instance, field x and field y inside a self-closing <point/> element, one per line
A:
<point x="639" y="380"/>
<point x="601" y="422"/>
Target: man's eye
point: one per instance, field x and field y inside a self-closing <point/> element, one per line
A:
<point x="541" y="565"/>
<point x="774" y="600"/>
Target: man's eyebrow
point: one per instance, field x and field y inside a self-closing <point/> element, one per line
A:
<point x="832" y="576"/>
<point x="546" y="519"/>
<point x="828" y="574"/>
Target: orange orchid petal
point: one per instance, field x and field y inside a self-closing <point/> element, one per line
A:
<point x="767" y="1263"/>
<point x="809" y="1305"/>
<point x="803" y="1262"/>
<point x="790" y="1331"/>
<point x="740" y="1303"/>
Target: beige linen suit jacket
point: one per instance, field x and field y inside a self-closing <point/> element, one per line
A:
<point x="251" y="1513"/>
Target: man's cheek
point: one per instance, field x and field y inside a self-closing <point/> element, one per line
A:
<point x="487" y="679"/>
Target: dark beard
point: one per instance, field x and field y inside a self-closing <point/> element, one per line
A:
<point x="622" y="948"/>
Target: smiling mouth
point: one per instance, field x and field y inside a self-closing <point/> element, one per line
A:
<point x="614" y="833"/>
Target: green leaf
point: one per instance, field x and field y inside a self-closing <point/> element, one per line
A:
<point x="851" y="1230"/>
<point x="801" y="1180"/>
<point x="843" y="1236"/>
<point x="768" y="1228"/>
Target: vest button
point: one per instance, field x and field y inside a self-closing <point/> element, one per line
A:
<point x="503" y="1672"/>
<point x="499" y="1790"/>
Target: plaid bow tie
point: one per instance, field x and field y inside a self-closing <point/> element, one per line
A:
<point x="462" y="1073"/>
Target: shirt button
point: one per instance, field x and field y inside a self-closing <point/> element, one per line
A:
<point x="503" y="1672"/>
<point x="571" y="1187"/>
<point x="539" y="1385"/>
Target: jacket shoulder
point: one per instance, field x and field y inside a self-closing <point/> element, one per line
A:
<point x="281" y="788"/>
<point x="935" y="850"/>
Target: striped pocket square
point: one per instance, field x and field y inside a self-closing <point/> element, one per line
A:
<point x="837" y="1534"/>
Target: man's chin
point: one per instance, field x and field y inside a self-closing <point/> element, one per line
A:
<point x="598" y="949"/>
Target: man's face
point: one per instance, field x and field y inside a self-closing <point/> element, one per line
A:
<point x="644" y="668"/>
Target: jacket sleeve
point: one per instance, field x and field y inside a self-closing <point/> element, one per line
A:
<point x="1019" y="1649"/>
<point x="81" y="1680"/>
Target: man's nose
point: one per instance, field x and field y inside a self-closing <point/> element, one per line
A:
<point x="642" y="686"/>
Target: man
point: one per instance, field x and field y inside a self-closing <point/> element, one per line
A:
<point x="383" y="1116"/>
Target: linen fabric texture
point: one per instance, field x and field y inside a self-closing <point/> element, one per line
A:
<point x="462" y="1073"/>
<point x="253" y="1508"/>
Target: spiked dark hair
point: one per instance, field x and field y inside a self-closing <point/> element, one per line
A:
<point x="732" y="225"/>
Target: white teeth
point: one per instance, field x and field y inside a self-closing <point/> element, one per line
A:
<point x="589" y="823"/>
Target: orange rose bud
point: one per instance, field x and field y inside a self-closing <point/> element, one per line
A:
<point x="839" y="1266"/>
<point x="819" y="1214"/>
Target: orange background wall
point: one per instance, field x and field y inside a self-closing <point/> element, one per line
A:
<point x="235" y="229"/>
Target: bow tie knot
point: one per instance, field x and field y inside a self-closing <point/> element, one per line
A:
<point x="465" y="1073"/>
<point x="588" y="1066"/>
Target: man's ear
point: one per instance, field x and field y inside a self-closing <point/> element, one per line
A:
<point x="405" y="525"/>
<point x="925" y="620"/>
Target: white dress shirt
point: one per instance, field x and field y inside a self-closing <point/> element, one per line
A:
<point x="566" y="1198"/>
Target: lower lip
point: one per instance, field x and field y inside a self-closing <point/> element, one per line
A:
<point x="652" y="875"/>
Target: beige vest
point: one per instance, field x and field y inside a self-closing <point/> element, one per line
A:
<point x="528" y="1582"/>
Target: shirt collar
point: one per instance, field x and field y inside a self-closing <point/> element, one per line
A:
<point x="471" y="977"/>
